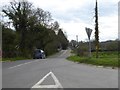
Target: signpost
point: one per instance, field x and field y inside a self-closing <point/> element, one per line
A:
<point x="89" y="31"/>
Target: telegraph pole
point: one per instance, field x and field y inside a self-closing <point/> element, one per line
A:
<point x="77" y="39"/>
<point x="96" y="30"/>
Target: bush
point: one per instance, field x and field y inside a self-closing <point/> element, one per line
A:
<point x="82" y="51"/>
<point x="51" y="48"/>
<point x="8" y="41"/>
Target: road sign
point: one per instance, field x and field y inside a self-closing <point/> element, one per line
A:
<point x="88" y="31"/>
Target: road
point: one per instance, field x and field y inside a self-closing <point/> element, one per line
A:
<point x="57" y="70"/>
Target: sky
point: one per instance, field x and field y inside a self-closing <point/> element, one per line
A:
<point x="74" y="15"/>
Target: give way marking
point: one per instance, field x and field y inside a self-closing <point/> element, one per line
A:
<point x="56" y="85"/>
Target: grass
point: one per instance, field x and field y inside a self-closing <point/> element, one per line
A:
<point x="110" y="54"/>
<point x="105" y="59"/>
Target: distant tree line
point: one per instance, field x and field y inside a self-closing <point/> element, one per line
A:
<point x="82" y="47"/>
<point x="33" y="28"/>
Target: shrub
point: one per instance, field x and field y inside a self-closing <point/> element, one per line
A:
<point x="82" y="50"/>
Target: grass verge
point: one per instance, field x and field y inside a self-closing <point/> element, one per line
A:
<point x="112" y="62"/>
<point x="14" y="59"/>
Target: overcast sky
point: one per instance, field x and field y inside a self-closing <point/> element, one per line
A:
<point x="74" y="15"/>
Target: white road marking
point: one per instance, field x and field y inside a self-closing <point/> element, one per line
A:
<point x="63" y="53"/>
<point x="22" y="64"/>
<point x="57" y="83"/>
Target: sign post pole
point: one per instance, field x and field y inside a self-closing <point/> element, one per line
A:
<point x="89" y="31"/>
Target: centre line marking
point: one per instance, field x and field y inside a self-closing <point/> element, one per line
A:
<point x="22" y="64"/>
<point x="63" y="53"/>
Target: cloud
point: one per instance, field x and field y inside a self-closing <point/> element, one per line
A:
<point x="75" y="15"/>
<point x="108" y="27"/>
<point x="74" y="28"/>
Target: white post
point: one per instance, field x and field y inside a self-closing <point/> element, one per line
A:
<point x="89" y="31"/>
<point x="89" y="48"/>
